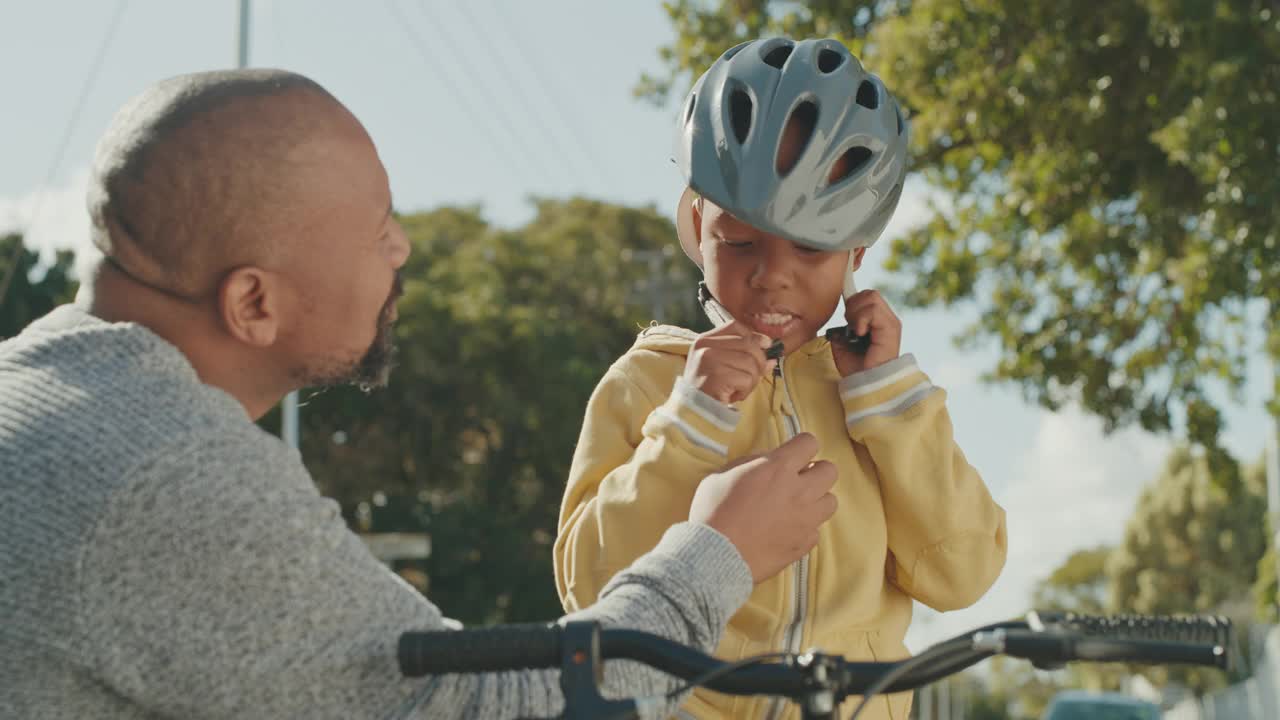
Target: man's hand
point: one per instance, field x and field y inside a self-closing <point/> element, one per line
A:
<point x="864" y="312"/>
<point x="770" y="506"/>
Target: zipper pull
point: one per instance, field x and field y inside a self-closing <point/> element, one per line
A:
<point x="775" y="352"/>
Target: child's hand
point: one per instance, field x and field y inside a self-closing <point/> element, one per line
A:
<point x="727" y="363"/>
<point x="864" y="312"/>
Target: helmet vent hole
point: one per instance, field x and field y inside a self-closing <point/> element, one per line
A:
<point x="795" y="136"/>
<point x="734" y="50"/>
<point x="849" y="163"/>
<point x="867" y="95"/>
<point x="740" y="108"/>
<point x="829" y="60"/>
<point x="898" y="111"/>
<point x="693" y="100"/>
<point x="777" y="57"/>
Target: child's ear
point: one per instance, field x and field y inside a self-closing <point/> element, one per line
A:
<point x="696" y="214"/>
<point x="857" y="254"/>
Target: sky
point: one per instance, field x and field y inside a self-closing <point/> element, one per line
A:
<point x="491" y="102"/>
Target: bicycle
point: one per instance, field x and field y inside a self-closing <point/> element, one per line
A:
<point x="817" y="681"/>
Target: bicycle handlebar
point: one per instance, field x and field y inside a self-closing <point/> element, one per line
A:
<point x="1046" y="639"/>
<point x="536" y="646"/>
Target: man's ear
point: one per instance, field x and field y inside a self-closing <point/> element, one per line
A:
<point x="249" y="304"/>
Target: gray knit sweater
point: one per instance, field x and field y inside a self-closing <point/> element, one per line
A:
<point x="163" y="557"/>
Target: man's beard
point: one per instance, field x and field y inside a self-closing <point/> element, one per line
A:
<point x="373" y="369"/>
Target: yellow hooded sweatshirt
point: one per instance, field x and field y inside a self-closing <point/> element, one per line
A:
<point x="914" y="519"/>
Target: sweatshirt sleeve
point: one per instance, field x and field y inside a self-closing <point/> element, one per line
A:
<point x="638" y="462"/>
<point x="947" y="535"/>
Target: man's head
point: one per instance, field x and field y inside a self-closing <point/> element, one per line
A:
<point x="245" y="216"/>
<point x="781" y="289"/>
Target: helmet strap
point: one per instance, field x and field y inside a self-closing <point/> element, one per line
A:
<point x="714" y="310"/>
<point x="850" y="286"/>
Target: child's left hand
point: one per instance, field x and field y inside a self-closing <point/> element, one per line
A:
<point x="868" y="311"/>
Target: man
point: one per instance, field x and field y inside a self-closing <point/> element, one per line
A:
<point x="161" y="556"/>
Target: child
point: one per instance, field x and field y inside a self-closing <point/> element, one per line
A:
<point x="794" y="157"/>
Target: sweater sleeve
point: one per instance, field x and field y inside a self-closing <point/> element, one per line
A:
<point x="221" y="584"/>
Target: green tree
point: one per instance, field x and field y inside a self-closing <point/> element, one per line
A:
<point x="1021" y="688"/>
<point x="503" y="336"/>
<point x="985" y="706"/>
<point x="1081" y="585"/>
<point x="1192" y="547"/>
<point x="1105" y="174"/>
<point x="981" y="699"/>
<point x="26" y="299"/>
<point x="1265" y="590"/>
<point x="1078" y="585"/>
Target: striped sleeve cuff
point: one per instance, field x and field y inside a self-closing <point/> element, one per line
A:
<point x="706" y="423"/>
<point x="887" y="390"/>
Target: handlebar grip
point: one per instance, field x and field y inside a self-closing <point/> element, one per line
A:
<point x="1041" y="647"/>
<point x="1204" y="629"/>
<point x="491" y="649"/>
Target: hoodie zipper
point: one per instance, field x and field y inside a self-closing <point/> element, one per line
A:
<point x="794" y="633"/>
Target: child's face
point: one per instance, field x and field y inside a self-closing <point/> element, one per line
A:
<point x="778" y="288"/>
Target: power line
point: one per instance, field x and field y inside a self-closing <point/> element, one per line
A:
<point x="494" y="102"/>
<point x="547" y="131"/>
<point x="571" y="121"/>
<point x="85" y="90"/>
<point x="432" y="61"/>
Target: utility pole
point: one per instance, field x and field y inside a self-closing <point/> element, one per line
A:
<point x="1273" y="475"/>
<point x="242" y="36"/>
<point x="656" y="289"/>
<point x="289" y="410"/>
<point x="924" y="696"/>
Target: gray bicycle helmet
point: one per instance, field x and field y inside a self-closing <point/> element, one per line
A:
<point x="731" y="125"/>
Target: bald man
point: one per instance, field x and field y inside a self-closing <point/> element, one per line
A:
<point x="160" y="555"/>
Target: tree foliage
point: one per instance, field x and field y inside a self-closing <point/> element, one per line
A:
<point x="1078" y="585"/>
<point x="1192" y="547"/>
<point x="1104" y="174"/>
<point x="34" y="289"/>
<point x="503" y="334"/>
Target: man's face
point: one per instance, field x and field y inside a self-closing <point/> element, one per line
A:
<point x="346" y="269"/>
<point x="373" y="369"/>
